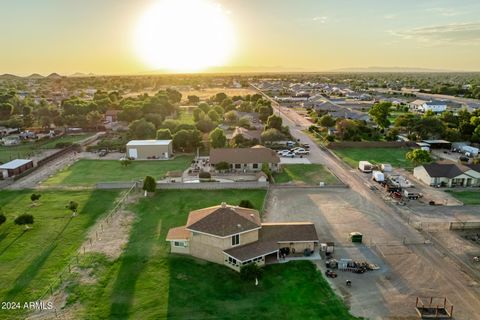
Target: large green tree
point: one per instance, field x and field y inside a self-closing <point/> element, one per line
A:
<point x="164" y="134"/>
<point x="380" y="112"/>
<point x="418" y="156"/>
<point x="217" y="138"/>
<point x="274" y="122"/>
<point x="187" y="140"/>
<point x="271" y="135"/>
<point x="141" y="129"/>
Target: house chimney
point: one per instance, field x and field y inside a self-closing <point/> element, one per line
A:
<point x="224" y="204"/>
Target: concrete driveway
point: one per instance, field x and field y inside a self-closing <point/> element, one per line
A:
<point x="284" y="160"/>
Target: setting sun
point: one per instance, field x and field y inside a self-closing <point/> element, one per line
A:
<point x="184" y="36"/>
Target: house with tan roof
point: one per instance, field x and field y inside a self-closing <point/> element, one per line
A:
<point x="235" y="236"/>
<point x="246" y="159"/>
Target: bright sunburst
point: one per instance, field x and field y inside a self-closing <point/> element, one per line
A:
<point x="184" y="35"/>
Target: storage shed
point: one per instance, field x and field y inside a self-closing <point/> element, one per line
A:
<point x="149" y="149"/>
<point x="15" y="167"/>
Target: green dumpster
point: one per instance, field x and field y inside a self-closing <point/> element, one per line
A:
<point x="356" y="237"/>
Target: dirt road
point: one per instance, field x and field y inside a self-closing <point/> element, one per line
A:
<point x="412" y="269"/>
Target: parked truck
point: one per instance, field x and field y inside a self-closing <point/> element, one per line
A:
<point x="411" y="194"/>
<point x="470" y="151"/>
<point x="365" y="166"/>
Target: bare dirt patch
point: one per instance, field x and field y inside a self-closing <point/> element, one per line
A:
<point x="110" y="238"/>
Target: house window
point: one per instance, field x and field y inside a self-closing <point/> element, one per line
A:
<point x="236" y="240"/>
<point x="232" y="260"/>
<point x="238" y="166"/>
<point x="182" y="244"/>
<point x="255" y="166"/>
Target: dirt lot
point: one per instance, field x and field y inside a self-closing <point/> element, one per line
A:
<point x="465" y="243"/>
<point x="406" y="270"/>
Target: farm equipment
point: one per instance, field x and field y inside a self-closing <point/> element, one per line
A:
<point x="331" y="274"/>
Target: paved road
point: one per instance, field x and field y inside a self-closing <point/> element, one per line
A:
<point x="388" y="217"/>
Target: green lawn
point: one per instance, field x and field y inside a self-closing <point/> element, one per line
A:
<point x="146" y="282"/>
<point x="467" y="197"/>
<point x="305" y="174"/>
<point x="394" y="156"/>
<point x="26" y="150"/>
<point x="31" y="260"/>
<point x="68" y="138"/>
<point x="186" y="117"/>
<point x="88" y="172"/>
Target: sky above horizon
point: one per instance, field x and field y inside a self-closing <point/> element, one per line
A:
<point x="270" y="35"/>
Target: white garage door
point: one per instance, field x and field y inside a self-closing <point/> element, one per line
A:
<point x="132" y="153"/>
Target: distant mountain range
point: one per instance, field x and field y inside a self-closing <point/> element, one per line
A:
<point x="391" y="70"/>
<point x="35" y="76"/>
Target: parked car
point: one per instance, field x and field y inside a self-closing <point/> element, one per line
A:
<point x="282" y="152"/>
<point x="301" y="151"/>
<point x="287" y="154"/>
<point x="102" y="153"/>
<point x="290" y="143"/>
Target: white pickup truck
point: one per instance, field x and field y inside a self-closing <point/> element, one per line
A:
<point x="301" y="151"/>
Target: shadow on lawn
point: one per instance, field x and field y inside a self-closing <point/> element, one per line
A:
<point x="31" y="271"/>
<point x="133" y="261"/>
<point x="11" y="243"/>
<point x="24" y="279"/>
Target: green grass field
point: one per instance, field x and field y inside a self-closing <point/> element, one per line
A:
<point x="88" y="172"/>
<point x="467" y="197"/>
<point x="146" y="282"/>
<point x="31" y="260"/>
<point x="26" y="150"/>
<point x="305" y="174"/>
<point x="394" y="156"/>
<point x="186" y="117"/>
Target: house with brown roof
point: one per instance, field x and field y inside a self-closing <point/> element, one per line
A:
<point x="235" y="236"/>
<point x="246" y="159"/>
<point x="252" y="135"/>
<point x="449" y="174"/>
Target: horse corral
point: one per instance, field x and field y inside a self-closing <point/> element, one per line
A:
<point x="437" y="308"/>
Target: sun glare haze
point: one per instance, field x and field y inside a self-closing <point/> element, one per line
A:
<point x="184" y="36"/>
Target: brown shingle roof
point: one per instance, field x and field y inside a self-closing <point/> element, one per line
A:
<point x="447" y="169"/>
<point x="271" y="235"/>
<point x="179" y="233"/>
<point x="289" y="231"/>
<point x="243" y="155"/>
<point x="247" y="134"/>
<point x="223" y="220"/>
